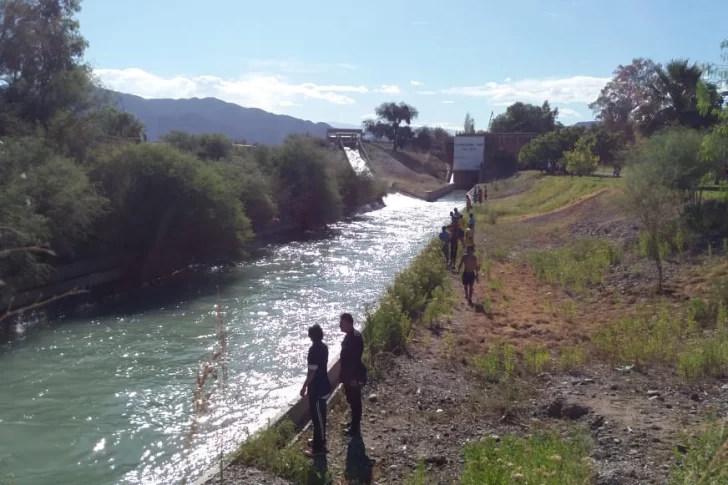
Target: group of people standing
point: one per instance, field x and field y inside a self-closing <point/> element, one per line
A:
<point x="317" y="387"/>
<point x="460" y="233"/>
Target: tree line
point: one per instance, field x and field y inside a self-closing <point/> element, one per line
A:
<point x="78" y="180"/>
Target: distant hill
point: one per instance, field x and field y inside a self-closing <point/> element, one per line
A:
<point x="211" y="115"/>
<point x="587" y="124"/>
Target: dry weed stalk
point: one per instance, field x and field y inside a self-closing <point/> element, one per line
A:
<point x="212" y="369"/>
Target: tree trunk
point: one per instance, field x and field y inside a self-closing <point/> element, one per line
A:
<point x="658" y="263"/>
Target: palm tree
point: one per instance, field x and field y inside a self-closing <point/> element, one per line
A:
<point x="673" y="98"/>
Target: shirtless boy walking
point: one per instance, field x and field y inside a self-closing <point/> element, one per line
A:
<point x="470" y="275"/>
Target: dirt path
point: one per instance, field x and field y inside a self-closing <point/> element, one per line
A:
<point x="431" y="402"/>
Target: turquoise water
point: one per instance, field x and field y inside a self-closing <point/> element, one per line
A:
<point x="106" y="398"/>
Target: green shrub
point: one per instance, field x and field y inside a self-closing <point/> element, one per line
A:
<point x="389" y="327"/>
<point x="706" y="460"/>
<point x="270" y="450"/>
<point x="536" y="359"/>
<point x="543" y="458"/>
<point x="169" y="209"/>
<point x="577" y="265"/>
<point x="498" y="363"/>
<point x="698" y="349"/>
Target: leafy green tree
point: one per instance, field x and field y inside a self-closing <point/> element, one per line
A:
<point x="675" y="153"/>
<point x="715" y="144"/>
<point x="673" y="98"/>
<point x="605" y="144"/>
<point x="122" y="125"/>
<point x="650" y="196"/>
<point x="306" y="187"/>
<point x="41" y="49"/>
<point x="629" y="89"/>
<point x="47" y="207"/>
<point x="424" y="139"/>
<point x="526" y="118"/>
<point x="581" y="160"/>
<point x="388" y="123"/>
<point x="206" y="146"/>
<point x="168" y="209"/>
<point x="546" y="151"/>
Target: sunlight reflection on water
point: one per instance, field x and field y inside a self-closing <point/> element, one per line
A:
<point x="106" y="399"/>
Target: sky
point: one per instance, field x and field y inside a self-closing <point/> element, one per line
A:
<point x="335" y="61"/>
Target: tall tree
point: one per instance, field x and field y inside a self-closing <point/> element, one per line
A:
<point x="469" y="125"/>
<point x="388" y="124"/>
<point x="41" y="66"/>
<point x="673" y="98"/>
<point x="526" y="118"/>
<point x="628" y="90"/>
<point x="715" y="144"/>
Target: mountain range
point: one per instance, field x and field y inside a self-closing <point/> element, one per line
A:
<point x="211" y="115"/>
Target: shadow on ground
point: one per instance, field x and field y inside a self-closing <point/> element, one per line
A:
<point x="358" y="464"/>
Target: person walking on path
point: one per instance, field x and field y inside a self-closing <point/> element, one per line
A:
<point x="470" y="275"/>
<point x="318" y="388"/>
<point x="454" y="238"/>
<point x="445" y="240"/>
<point x="353" y="372"/>
<point x="471" y="222"/>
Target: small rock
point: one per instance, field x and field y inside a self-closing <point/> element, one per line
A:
<point x="695" y="397"/>
<point x="495" y="437"/>
<point x="653" y="393"/>
<point x="597" y="422"/>
<point x="373" y="398"/>
<point x="438" y="460"/>
<point x="682" y="448"/>
<point x="617" y="441"/>
<point x="574" y="411"/>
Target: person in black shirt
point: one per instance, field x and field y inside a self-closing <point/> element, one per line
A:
<point x="318" y="387"/>
<point x="352" y="375"/>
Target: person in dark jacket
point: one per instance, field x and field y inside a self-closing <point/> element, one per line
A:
<point x="352" y="371"/>
<point x="318" y="388"/>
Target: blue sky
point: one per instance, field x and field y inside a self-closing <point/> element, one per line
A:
<point x="335" y="61"/>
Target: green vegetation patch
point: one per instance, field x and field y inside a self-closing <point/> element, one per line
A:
<point x="270" y="450"/>
<point x="577" y="265"/>
<point x="695" y="341"/>
<point x="706" y="460"/>
<point x="389" y="327"/>
<point x="548" y="194"/>
<point x="543" y="458"/>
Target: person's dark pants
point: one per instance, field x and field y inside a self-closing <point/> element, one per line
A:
<point x="317" y="410"/>
<point x="446" y="252"/>
<point x="453" y="253"/>
<point x="353" y="397"/>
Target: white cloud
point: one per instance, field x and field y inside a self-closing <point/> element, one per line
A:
<point x="508" y="79"/>
<point x="568" y="113"/>
<point x="427" y="93"/>
<point x="448" y="102"/>
<point x="389" y="89"/>
<point x="268" y="92"/>
<point x="416" y="83"/>
<point x="367" y="116"/>
<point x="575" y="89"/>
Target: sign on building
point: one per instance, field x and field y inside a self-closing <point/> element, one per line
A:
<point x="468" y="153"/>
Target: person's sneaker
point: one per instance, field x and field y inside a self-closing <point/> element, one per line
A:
<point x="352" y="433"/>
<point x="314" y="454"/>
